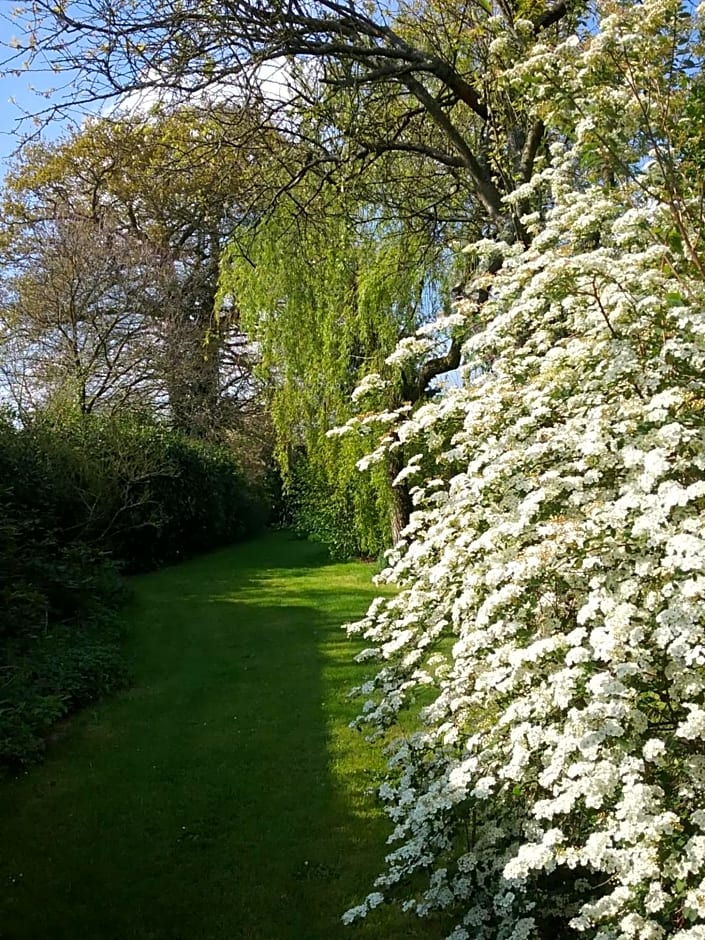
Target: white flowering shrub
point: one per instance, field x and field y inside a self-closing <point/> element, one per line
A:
<point x="550" y="608"/>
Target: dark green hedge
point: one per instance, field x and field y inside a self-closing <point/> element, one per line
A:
<point x="80" y="502"/>
<point x="350" y="521"/>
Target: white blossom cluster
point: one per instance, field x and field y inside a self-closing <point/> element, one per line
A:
<point x="550" y="608"/>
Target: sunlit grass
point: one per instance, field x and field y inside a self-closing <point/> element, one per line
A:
<point x="223" y="795"/>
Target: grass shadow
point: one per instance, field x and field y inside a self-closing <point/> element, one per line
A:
<point x="222" y="796"/>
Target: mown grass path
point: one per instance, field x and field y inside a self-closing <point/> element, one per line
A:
<point x="223" y="795"/>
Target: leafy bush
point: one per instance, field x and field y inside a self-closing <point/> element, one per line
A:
<point x="347" y="520"/>
<point x="49" y="572"/>
<point x="190" y="498"/>
<point x="45" y="679"/>
<point x="551" y="602"/>
<point x="80" y="500"/>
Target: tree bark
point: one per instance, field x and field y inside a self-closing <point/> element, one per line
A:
<point x="401" y="498"/>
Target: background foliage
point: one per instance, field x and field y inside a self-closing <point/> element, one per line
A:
<point x="82" y="500"/>
<point x="350" y="519"/>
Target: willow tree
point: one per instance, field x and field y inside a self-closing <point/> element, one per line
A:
<point x="327" y="295"/>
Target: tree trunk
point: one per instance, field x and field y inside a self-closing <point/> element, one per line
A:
<point x="193" y="377"/>
<point x="401" y="498"/>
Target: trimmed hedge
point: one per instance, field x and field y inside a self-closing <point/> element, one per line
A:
<point x="80" y="502"/>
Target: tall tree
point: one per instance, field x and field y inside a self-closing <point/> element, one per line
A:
<point x="327" y="294"/>
<point x="175" y="183"/>
<point x="77" y="320"/>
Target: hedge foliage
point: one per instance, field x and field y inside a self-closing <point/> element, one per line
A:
<point x="350" y="521"/>
<point x="80" y="502"/>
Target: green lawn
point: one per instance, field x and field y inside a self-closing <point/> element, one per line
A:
<point x="223" y="795"/>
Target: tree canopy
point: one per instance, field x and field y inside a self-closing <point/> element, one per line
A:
<point x="415" y="79"/>
<point x="170" y="189"/>
<point x="326" y="296"/>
